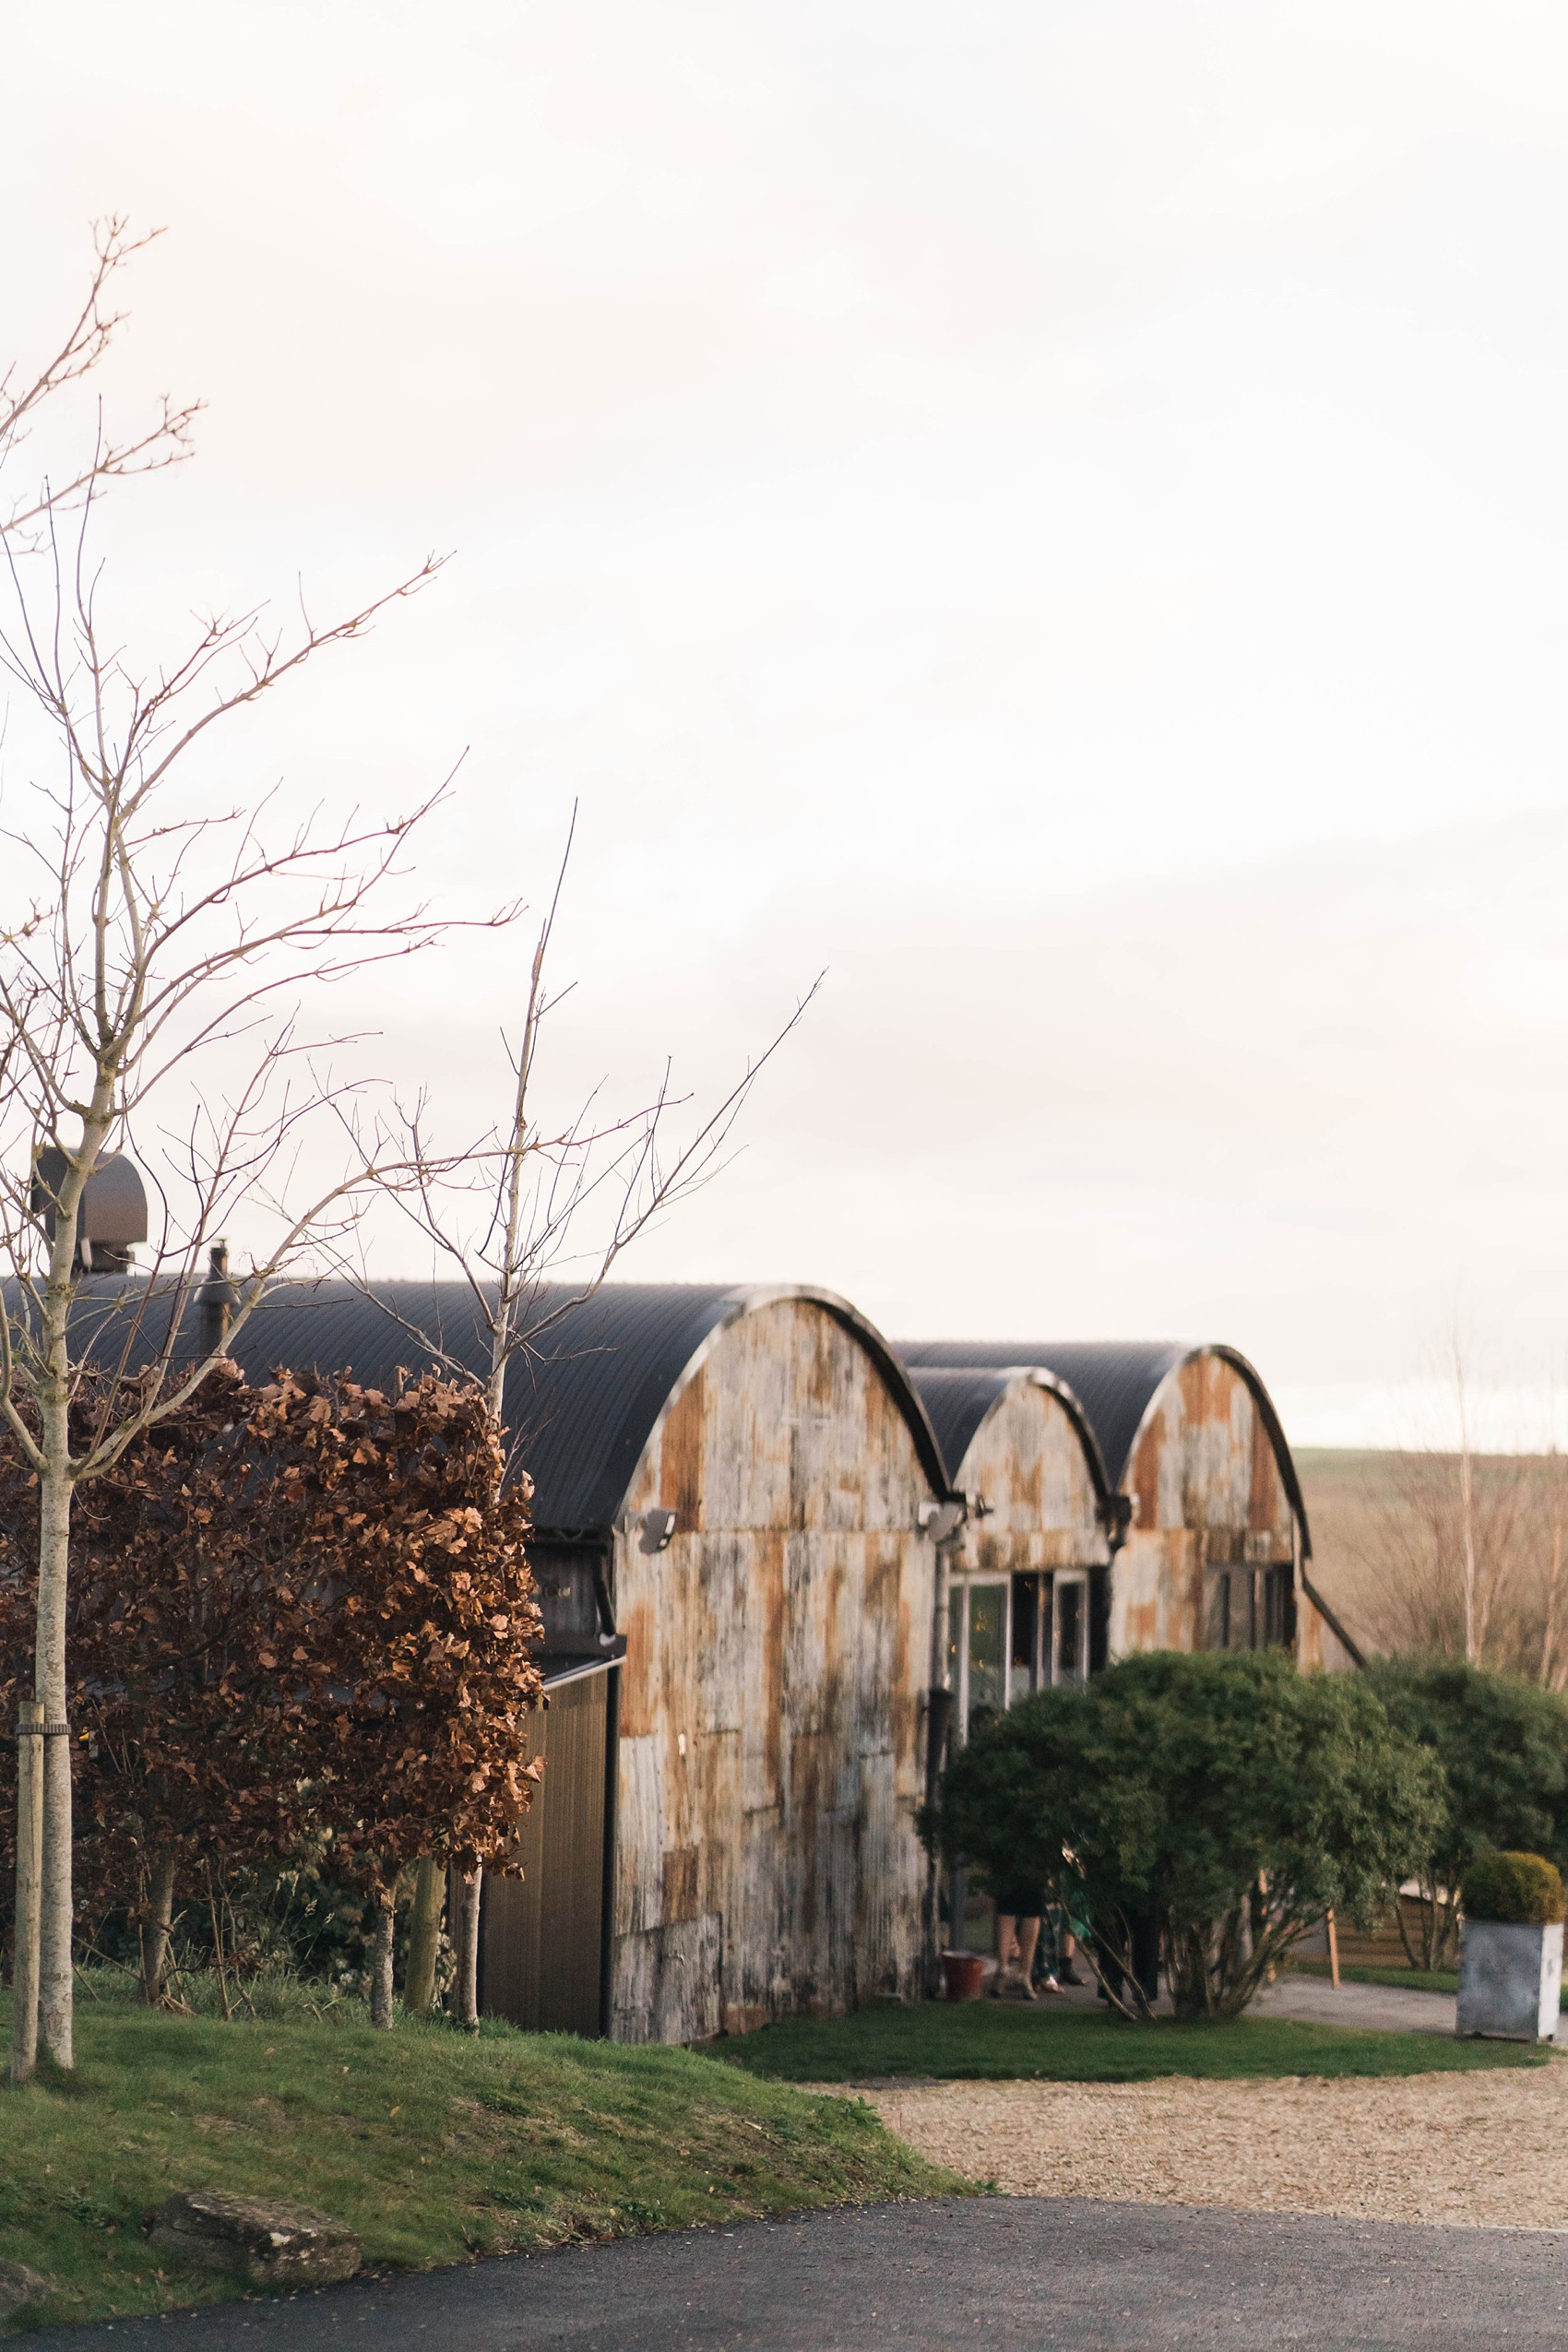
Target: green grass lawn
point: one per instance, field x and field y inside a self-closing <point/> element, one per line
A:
<point x="994" y="2040"/>
<point x="433" y="2145"/>
<point x="1411" y="1979"/>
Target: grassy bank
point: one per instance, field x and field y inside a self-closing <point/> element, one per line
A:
<point x="433" y="2145"/>
<point x="996" y="2040"/>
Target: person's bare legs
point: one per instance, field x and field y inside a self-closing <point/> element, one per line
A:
<point x="1006" y="1947"/>
<point x="1016" y="1942"/>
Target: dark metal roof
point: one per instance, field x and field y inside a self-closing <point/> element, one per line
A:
<point x="961" y="1399"/>
<point x="1116" y="1381"/>
<point x="581" y="1402"/>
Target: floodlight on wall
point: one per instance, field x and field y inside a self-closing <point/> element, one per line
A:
<point x="941" y="1521"/>
<point x="111" y="1216"/>
<point x="656" y="1528"/>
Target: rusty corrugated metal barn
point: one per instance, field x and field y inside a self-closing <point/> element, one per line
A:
<point x="774" y="1555"/>
<point x="1204" y="1509"/>
<point x="735" y="1501"/>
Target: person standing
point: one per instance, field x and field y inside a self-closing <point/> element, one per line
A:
<point x="1019" y="1910"/>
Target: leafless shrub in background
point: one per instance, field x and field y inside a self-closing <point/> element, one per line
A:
<point x="1465" y="1555"/>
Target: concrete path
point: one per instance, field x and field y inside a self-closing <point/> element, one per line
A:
<point x="1387" y="2006"/>
<point x="1025" y="2274"/>
<point x="1314" y="1997"/>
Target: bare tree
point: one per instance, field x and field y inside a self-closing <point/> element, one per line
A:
<point x="1459" y="1553"/>
<point x="27" y="392"/>
<point x="507" y="1214"/>
<point x="157" y="940"/>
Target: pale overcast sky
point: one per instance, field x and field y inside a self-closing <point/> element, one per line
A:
<point x="1053" y="512"/>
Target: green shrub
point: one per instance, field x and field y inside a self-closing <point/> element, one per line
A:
<point x="1502" y="1746"/>
<point x="1524" y="1888"/>
<point x="1222" y="1799"/>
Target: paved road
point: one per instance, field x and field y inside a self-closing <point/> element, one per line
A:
<point x="1007" y="2272"/>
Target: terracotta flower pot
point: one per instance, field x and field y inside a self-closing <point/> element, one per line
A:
<point x="965" y="1975"/>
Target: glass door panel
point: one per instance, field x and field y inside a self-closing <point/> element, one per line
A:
<point x="1023" y="1672"/>
<point x="987" y="1678"/>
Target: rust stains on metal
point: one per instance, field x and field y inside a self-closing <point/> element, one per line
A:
<point x="1028" y="1461"/>
<point x="1212" y="1516"/>
<point x="1144" y="1483"/>
<point x="767" y="1861"/>
<point x="680" y="1458"/>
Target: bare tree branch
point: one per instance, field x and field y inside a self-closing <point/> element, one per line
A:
<point x="160" y="936"/>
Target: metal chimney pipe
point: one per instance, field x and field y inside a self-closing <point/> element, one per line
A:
<point x="216" y="1301"/>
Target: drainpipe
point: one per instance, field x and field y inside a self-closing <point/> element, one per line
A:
<point x="944" y="1524"/>
<point x="1115" y="1517"/>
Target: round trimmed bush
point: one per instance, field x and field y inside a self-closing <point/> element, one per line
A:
<point x="1521" y="1888"/>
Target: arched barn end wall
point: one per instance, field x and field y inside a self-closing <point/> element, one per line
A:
<point x="1209" y="1512"/>
<point x="1035" y="1498"/>
<point x="1218" y="1540"/>
<point x="776" y="1653"/>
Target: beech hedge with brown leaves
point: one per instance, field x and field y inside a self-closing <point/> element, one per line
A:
<point x="300" y="1614"/>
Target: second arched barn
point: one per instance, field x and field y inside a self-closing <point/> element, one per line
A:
<point x="1209" y="1530"/>
<point x="1027" y="1594"/>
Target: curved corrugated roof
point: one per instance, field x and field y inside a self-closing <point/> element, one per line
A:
<point x="1116" y="1381"/>
<point x="581" y="1401"/>
<point x="961" y="1399"/>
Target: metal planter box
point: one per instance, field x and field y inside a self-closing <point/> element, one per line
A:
<point x="1510" y="1977"/>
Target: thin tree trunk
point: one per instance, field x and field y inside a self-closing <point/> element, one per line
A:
<point x="424" y="1937"/>
<point x="381" y="1964"/>
<point x="1553" y="1594"/>
<point x="157" y="1931"/>
<point x="465" y="1989"/>
<point x="56" y="1908"/>
<point x="29" y="1868"/>
<point x="1468" y="1528"/>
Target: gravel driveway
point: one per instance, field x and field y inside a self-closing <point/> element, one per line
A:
<point x="1483" y="2148"/>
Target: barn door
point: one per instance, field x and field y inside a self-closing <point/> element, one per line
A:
<point x="542" y="1945"/>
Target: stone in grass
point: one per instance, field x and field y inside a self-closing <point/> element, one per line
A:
<point x="20" y="2286"/>
<point x="258" y="2238"/>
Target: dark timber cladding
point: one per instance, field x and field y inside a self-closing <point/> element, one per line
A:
<point x="731" y="1487"/>
<point x="1207" y="1517"/>
<point x="542" y="1949"/>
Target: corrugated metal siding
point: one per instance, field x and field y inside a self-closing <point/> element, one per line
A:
<point x="770" y="1715"/>
<point x="1113" y="1380"/>
<point x="1208" y="1495"/>
<point x="580" y="1400"/>
<point x="1028" y="1461"/>
<point x="1192" y="1439"/>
